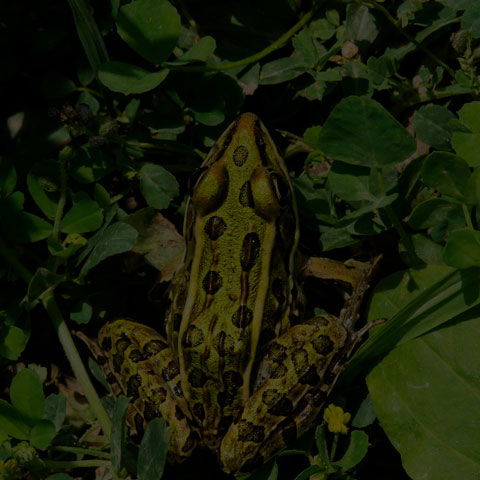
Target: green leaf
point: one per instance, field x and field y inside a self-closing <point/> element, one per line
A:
<point x="426" y="394"/>
<point x="323" y="28"/>
<point x="360" y="131"/>
<point x="427" y="250"/>
<point x="361" y="24"/>
<point x="43" y="184"/>
<point x="158" y="185"/>
<point x="8" y="178"/>
<point x="431" y="126"/>
<point x="85" y="216"/>
<point x="89" y="165"/>
<point x="12" y="423"/>
<point x="311" y="136"/>
<point x="119" y="432"/>
<point x="86" y="98"/>
<point x="117" y="238"/>
<point x="12" y="342"/>
<point x="125" y="78"/>
<point x="446" y="173"/>
<point x="350" y="182"/>
<point x="89" y="34"/>
<point x="81" y="312"/>
<point x="466" y="144"/>
<point x="153" y="450"/>
<point x="26" y="395"/>
<point x="463" y="249"/>
<point x="356" y="451"/>
<point x="414" y="301"/>
<point x="304" y="44"/>
<point x="471" y="19"/>
<point x="365" y="415"/>
<point x="150" y="27"/>
<point x="42" y="434"/>
<point x="282" y="70"/>
<point x="268" y="471"/>
<point x="42" y="280"/>
<point x="55" y="409"/>
<point x="199" y="52"/>
<point x="380" y="70"/>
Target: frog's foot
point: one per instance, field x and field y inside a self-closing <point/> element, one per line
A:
<point x="290" y="389"/>
<point x="138" y="358"/>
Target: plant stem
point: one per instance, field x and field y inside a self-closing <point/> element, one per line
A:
<point x="63" y="157"/>
<point x="82" y="451"/>
<point x="467" y="215"/>
<point x="247" y="60"/>
<point x="65" y="465"/>
<point x="75" y="361"/>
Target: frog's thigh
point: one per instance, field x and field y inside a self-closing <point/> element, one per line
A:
<point x="144" y="367"/>
<point x="288" y="394"/>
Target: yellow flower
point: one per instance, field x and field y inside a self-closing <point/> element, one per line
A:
<point x="336" y="419"/>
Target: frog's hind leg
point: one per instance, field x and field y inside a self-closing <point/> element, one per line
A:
<point x="139" y="359"/>
<point x="288" y="394"/>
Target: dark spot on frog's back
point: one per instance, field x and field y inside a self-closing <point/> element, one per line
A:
<point x="135" y="356"/>
<point x="310" y="377"/>
<point x="276" y="352"/>
<point x="133" y="384"/>
<point x="153" y="347"/>
<point x="197" y="378"/>
<point x="240" y="155"/>
<point x="192" y="337"/>
<point x="250" y="251"/>
<point x="212" y="282"/>
<point x="246" y="196"/>
<point x="232" y="380"/>
<point x="170" y="371"/>
<point x="323" y="345"/>
<point x="199" y="411"/>
<point x="242" y="317"/>
<point x="215" y="227"/>
<point x="284" y="407"/>
<point x="260" y="141"/>
<point x="249" y="432"/>
<point x="277" y="290"/>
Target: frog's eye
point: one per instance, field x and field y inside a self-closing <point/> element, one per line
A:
<point x="264" y="194"/>
<point x="210" y="190"/>
<point x="282" y="188"/>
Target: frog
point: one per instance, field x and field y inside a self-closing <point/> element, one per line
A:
<point x="239" y="370"/>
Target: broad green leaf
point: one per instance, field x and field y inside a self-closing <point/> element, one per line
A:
<point x="281" y="70"/>
<point x="8" y="178"/>
<point x="304" y="44"/>
<point x="323" y="28"/>
<point x="158" y="186"/>
<point x="117" y="238"/>
<point x="311" y="135"/>
<point x="463" y="249"/>
<point x="446" y="173"/>
<point x="309" y="472"/>
<point x="89" y="34"/>
<point x="72" y="243"/>
<point x="456" y="4"/>
<point x="426" y="394"/>
<point x="119" y="432"/>
<point x="42" y="434"/>
<point x="153" y="450"/>
<point x="12" y="423"/>
<point x="42" y="280"/>
<point x="86" y="98"/>
<point x="467" y="144"/>
<point x="471" y="19"/>
<point x="199" y="52"/>
<point x="356" y="451"/>
<point x="150" y="27"/>
<point x="439" y="214"/>
<point x="158" y="239"/>
<point x="350" y="182"/>
<point x="361" y="24"/>
<point x="26" y="395"/>
<point x="85" y="216"/>
<point x="89" y="165"/>
<point x="431" y="126"/>
<point x="81" y="312"/>
<point x="414" y="301"/>
<point x="268" y="471"/>
<point x="380" y="70"/>
<point x="427" y="250"/>
<point x="472" y="188"/>
<point x="12" y="342"/>
<point x="55" y="409"/>
<point x="43" y="184"/>
<point x="365" y="415"/>
<point x="125" y="78"/>
<point x="360" y="131"/>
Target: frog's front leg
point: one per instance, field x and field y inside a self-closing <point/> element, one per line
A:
<point x="141" y="362"/>
<point x="292" y="383"/>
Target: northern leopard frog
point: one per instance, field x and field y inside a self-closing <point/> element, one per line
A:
<point x="240" y="371"/>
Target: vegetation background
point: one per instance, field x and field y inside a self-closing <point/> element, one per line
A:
<point x="107" y="109"/>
